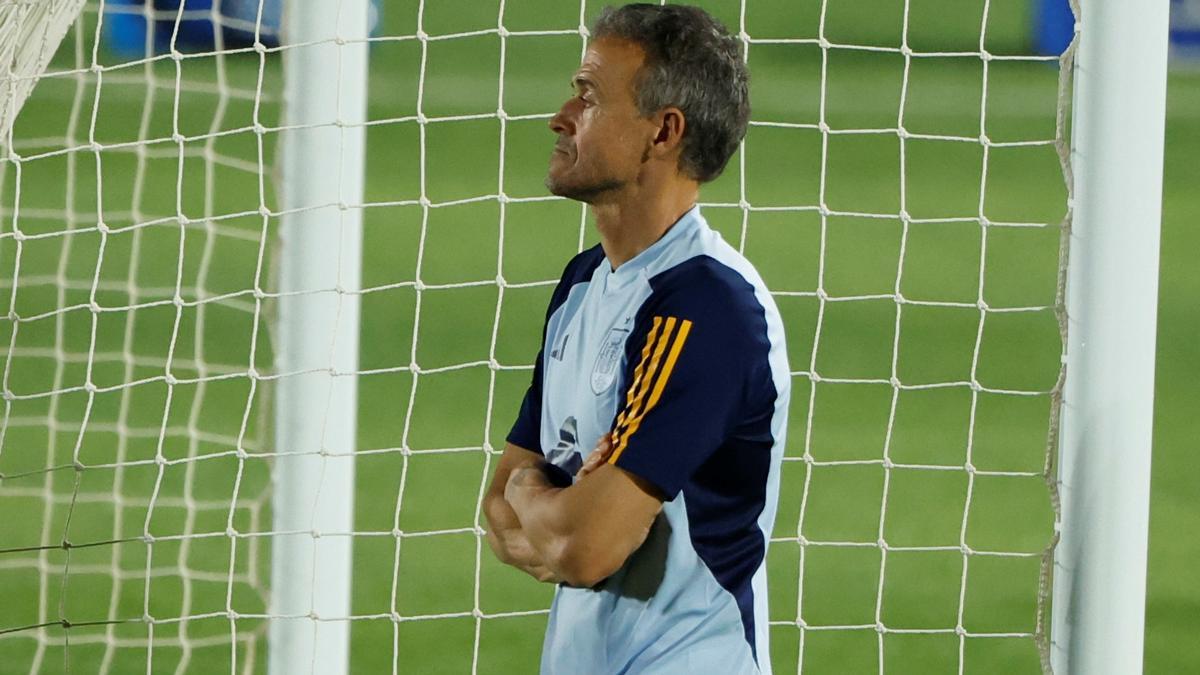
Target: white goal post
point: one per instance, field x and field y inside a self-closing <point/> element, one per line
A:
<point x="325" y="99"/>
<point x="305" y="287"/>
<point x="1112" y="292"/>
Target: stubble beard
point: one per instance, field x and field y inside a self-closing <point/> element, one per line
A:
<point x="587" y="191"/>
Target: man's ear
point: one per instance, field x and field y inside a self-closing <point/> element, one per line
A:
<point x="671" y="125"/>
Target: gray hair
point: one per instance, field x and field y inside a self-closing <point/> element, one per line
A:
<point x="692" y="63"/>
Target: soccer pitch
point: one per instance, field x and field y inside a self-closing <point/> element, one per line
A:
<point x="438" y="573"/>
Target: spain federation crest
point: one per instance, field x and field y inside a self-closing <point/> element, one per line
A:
<point x="604" y="373"/>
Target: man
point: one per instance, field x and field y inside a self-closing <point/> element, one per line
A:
<point x="664" y="351"/>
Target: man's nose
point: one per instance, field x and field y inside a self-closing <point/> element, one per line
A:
<point x="563" y="122"/>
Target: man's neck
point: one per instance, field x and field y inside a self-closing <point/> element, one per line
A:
<point x="632" y="223"/>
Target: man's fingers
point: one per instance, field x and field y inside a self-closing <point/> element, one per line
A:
<point x="598" y="456"/>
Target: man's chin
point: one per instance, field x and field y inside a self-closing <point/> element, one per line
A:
<point x="562" y="186"/>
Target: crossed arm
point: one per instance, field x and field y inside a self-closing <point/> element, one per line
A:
<point x="579" y="534"/>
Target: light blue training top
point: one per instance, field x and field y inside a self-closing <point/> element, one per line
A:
<point x="680" y="353"/>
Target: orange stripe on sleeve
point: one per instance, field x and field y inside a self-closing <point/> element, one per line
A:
<point x="660" y="383"/>
<point x="635" y="403"/>
<point x="637" y="373"/>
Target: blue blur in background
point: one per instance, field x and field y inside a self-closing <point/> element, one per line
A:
<point x="1054" y="25"/>
<point x="127" y="26"/>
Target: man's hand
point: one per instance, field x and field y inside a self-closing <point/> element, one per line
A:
<point x="512" y="547"/>
<point x="505" y="536"/>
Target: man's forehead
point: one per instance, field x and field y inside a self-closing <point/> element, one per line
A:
<point x="610" y="60"/>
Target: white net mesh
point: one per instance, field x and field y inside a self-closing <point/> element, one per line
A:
<point x="900" y="189"/>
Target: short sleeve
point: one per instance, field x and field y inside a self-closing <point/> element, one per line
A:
<point x="688" y="364"/>
<point x="526" y="430"/>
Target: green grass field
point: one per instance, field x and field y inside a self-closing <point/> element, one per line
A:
<point x="100" y="584"/>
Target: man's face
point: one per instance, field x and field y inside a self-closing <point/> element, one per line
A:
<point x="602" y="138"/>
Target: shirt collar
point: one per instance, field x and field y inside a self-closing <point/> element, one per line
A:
<point x="634" y="267"/>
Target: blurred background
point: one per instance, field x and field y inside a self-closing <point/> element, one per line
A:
<point x="165" y="153"/>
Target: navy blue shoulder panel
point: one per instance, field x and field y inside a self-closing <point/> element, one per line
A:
<point x="526" y="430"/>
<point x="703" y="286"/>
<point x="709" y="435"/>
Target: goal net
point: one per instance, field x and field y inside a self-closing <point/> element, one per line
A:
<point x="902" y="189"/>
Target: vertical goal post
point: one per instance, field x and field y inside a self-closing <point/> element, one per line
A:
<point x="1112" y="302"/>
<point x="322" y="172"/>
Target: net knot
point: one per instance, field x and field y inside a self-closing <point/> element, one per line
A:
<point x="102" y="227"/>
<point x="502" y="31"/>
<point x="94" y="307"/>
<point x="89" y="387"/>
